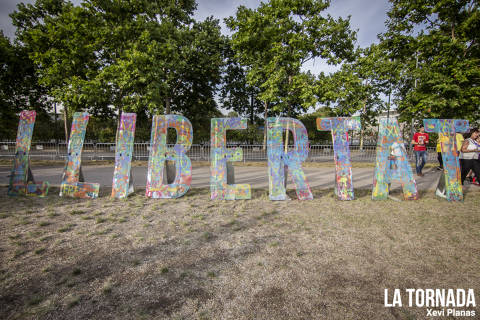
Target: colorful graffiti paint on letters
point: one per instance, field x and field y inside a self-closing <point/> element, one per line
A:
<point x="159" y="153"/>
<point x="21" y="178"/>
<point x="71" y="185"/>
<point x="447" y="129"/>
<point x="278" y="159"/>
<point x="341" y="152"/>
<point x="122" y="185"/>
<point x="392" y="163"/>
<point x="219" y="189"/>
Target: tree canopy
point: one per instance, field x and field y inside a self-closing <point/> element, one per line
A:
<point x="436" y="47"/>
<point x="153" y="57"/>
<point x="275" y="40"/>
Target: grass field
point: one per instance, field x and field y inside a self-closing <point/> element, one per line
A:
<point x="192" y="258"/>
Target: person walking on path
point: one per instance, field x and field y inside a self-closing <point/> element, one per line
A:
<point x="419" y="141"/>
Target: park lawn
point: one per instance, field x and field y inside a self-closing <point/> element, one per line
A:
<point x="193" y="258"/>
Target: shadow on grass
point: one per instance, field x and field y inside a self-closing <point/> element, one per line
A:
<point x="134" y="291"/>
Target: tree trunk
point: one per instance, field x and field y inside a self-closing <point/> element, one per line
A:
<point x="286" y="138"/>
<point x="167" y="105"/>
<point x="361" y="138"/>
<point x="289" y="114"/>
<point x="362" y="129"/>
<point x="56" y="124"/>
<point x="251" y="109"/>
<point x="65" y="123"/>
<point x="265" y="125"/>
<point x="118" y="123"/>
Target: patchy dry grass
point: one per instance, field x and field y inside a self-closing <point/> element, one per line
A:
<point x="193" y="258"/>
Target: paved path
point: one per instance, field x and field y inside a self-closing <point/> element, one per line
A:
<point x="257" y="177"/>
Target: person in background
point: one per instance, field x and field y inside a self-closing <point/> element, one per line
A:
<point x="460" y="140"/>
<point x="476" y="179"/>
<point x="419" y="141"/>
<point x="469" y="157"/>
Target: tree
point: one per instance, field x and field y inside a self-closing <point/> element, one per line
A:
<point x="309" y="120"/>
<point x="60" y="40"/>
<point x="236" y="94"/>
<point x="123" y="55"/>
<point x="436" y="45"/>
<point x="358" y="87"/>
<point x="20" y="90"/>
<point x="276" y="39"/>
<point x="131" y="34"/>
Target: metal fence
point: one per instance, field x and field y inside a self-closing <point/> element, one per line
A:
<point x="198" y="152"/>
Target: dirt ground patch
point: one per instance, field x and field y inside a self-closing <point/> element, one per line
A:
<point x="193" y="258"/>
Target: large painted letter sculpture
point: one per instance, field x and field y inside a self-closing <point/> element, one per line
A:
<point x="392" y="163"/>
<point x="21" y="178"/>
<point x="159" y="153"/>
<point x="277" y="158"/>
<point x="341" y="151"/>
<point x="71" y="185"/>
<point x="219" y="189"/>
<point x="447" y="129"/>
<point x="122" y="184"/>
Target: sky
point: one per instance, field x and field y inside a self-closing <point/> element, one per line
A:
<point x="367" y="17"/>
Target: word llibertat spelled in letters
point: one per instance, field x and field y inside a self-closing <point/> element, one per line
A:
<point x="391" y="159"/>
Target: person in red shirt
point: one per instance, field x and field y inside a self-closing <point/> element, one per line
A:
<point x="419" y="141"/>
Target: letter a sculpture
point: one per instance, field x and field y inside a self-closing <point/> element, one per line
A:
<point x="392" y="163"/>
<point x="21" y="178"/>
<point x="72" y="180"/>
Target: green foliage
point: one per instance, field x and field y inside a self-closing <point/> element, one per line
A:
<point x="358" y="86"/>
<point x="436" y="45"/>
<point x="151" y="57"/>
<point x="251" y="135"/>
<point x="143" y="56"/>
<point x="19" y="90"/>
<point x="310" y="122"/>
<point x="236" y="94"/>
<point x="277" y="38"/>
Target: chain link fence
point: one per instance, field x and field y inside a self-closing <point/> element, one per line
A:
<point x="198" y="152"/>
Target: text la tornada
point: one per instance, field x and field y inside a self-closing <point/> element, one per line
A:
<point x="434" y="298"/>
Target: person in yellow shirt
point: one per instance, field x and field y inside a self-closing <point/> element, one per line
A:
<point x="459" y="140"/>
<point x="439" y="154"/>
<point x="459" y="137"/>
